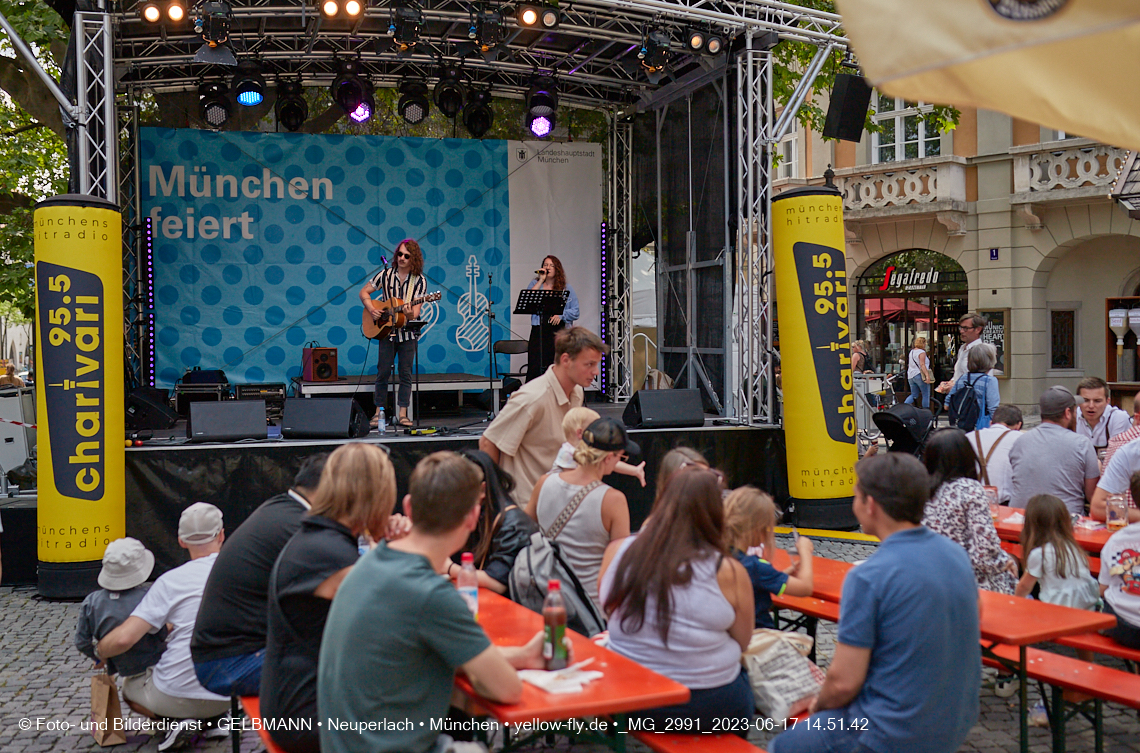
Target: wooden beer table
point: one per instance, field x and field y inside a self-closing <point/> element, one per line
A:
<point x="1090" y="541"/>
<point x="627" y="686"/>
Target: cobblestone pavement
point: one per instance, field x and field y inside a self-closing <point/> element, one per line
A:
<point x="46" y="682"/>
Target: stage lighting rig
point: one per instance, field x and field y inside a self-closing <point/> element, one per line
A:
<point x="367" y="106"/>
<point x="542" y="105"/>
<point x="704" y="41"/>
<point x="404" y="25"/>
<point x="292" y="109"/>
<point x="248" y="84"/>
<point x="213" y="23"/>
<point x="537" y="16"/>
<point x="151" y="11"/>
<point x="346" y="9"/>
<point x="413" y="105"/>
<point x="487" y="32"/>
<point x="214" y="104"/>
<point x="450" y="93"/>
<point x="349" y="90"/>
<point x="478" y="117"/>
<point x="654" y="54"/>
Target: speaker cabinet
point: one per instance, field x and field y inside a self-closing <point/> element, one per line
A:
<point x="148" y="408"/>
<point x="227" y="421"/>
<point x="663" y="409"/>
<point x="848" y="109"/>
<point x="323" y="418"/>
<point x="319" y="365"/>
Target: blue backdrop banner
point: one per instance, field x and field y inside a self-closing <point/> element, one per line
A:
<point x="262" y="241"/>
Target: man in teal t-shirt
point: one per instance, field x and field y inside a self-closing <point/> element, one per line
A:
<point x="397" y="631"/>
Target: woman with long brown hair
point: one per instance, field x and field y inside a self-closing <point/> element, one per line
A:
<point x="540" y="353"/>
<point x="680" y="605"/>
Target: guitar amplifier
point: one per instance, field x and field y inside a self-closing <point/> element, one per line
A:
<point x="319" y="365"/>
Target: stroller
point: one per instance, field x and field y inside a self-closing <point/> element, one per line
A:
<point x="905" y="427"/>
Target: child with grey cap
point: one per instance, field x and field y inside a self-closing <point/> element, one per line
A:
<point x="126" y="566"/>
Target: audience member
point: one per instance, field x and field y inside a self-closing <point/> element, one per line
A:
<point x="958" y="509"/>
<point x="992" y="446"/>
<point x="1052" y="557"/>
<point x="355" y="495"/>
<point x="1099" y="420"/>
<point x="750" y="521"/>
<point x="1053" y="458"/>
<point x="509" y="533"/>
<point x="859" y="359"/>
<point x="228" y="645"/>
<point x="524" y="438"/>
<point x="1120" y="580"/>
<point x="907" y="658"/>
<point x="678" y="606"/>
<point x="979" y="362"/>
<point x="918" y="374"/>
<point x="576" y="420"/>
<point x="970" y="328"/>
<point x="170" y="688"/>
<point x="397" y="631"/>
<point x="9" y="378"/>
<point x="673" y="461"/>
<point x="126" y="566"/>
<point x="1117" y="478"/>
<point x="601" y="516"/>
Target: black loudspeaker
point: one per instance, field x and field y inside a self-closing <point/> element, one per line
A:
<point x="848" y="109"/>
<point x="147" y="408"/>
<point x="661" y="409"/>
<point x="323" y="418"/>
<point x="227" y="421"/>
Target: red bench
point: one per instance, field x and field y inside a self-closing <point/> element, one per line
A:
<point x="1015" y="550"/>
<point x="670" y="742"/>
<point x="1101" y="644"/>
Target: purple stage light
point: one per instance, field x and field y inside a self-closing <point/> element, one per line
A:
<point x="540" y="126"/>
<point x="362" y="112"/>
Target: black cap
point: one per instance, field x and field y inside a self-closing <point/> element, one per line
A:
<point x="609" y="434"/>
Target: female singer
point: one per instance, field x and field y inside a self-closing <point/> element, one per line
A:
<point x="540" y="354"/>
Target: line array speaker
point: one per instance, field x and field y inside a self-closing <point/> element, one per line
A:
<point x="847" y="112"/>
<point x="319" y="365"/>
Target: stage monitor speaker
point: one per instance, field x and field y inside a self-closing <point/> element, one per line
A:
<point x="323" y="418"/>
<point x="227" y="421"/>
<point x="663" y="409"/>
<point x="319" y="365"/>
<point x="847" y="112"/>
<point x="149" y="408"/>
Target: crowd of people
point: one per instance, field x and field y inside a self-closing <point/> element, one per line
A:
<point x="327" y="603"/>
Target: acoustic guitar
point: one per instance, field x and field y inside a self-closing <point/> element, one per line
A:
<point x="392" y="315"/>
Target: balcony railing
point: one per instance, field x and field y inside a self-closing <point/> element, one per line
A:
<point x="1076" y="166"/>
<point x="897" y="184"/>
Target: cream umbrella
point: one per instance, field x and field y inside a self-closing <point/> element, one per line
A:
<point x="1064" y="64"/>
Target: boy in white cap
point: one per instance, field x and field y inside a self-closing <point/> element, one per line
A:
<point x="171" y="689"/>
<point x="126" y="566"/>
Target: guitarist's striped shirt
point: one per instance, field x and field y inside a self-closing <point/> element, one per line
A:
<point x="413" y="286"/>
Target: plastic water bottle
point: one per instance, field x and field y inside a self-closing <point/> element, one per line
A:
<point x="362" y="545"/>
<point x="554" y="627"/>
<point x="468" y="583"/>
<point x="382" y="424"/>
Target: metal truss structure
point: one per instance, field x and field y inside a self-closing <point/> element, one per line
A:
<point x="593" y="54"/>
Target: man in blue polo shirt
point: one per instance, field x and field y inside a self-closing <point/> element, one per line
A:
<point x="907" y="663"/>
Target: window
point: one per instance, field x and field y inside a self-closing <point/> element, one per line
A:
<point x="789" y="157"/>
<point x="1062" y="339"/>
<point x="904" y="135"/>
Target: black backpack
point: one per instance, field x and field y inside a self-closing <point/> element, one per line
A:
<point x="964" y="410"/>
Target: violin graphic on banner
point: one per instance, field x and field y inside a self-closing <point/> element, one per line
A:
<point x="473" y="333"/>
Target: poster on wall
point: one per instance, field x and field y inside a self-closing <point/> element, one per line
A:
<point x="262" y="241"/>
<point x="996" y="333"/>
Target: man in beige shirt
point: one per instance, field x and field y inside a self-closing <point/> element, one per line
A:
<point x="525" y="437"/>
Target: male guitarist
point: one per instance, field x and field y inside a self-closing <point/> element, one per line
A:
<point x="405" y="281"/>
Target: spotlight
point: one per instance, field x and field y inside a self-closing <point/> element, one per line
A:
<point x="353" y="8"/>
<point x="248" y="84"/>
<point x="542" y="106"/>
<point x="176" y="12"/>
<point x="527" y="15"/>
<point x="213" y="104"/>
<point x="550" y="18"/>
<point x="348" y="89"/>
<point x="478" y="117"/>
<point x="532" y="16"/>
<point x="654" y="54"/>
<point x="404" y="25"/>
<point x="366" y="107"/>
<point x="213" y="23"/>
<point x="292" y="109"/>
<point x="704" y="41"/>
<point x="413" y="105"/>
<point x="715" y="44"/>
<point x="450" y="92"/>
<point x="151" y="13"/>
<point x="695" y="39"/>
<point x="330" y="8"/>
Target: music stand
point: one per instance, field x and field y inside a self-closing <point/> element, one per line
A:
<point x="544" y="303"/>
<point x="414" y="328"/>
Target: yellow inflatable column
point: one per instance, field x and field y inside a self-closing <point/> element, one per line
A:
<point x="79" y="389"/>
<point x="815" y="354"/>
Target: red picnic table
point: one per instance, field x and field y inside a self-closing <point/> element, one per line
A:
<point x="1090" y="541"/>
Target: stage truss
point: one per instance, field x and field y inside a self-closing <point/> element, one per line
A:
<point x="593" y="54"/>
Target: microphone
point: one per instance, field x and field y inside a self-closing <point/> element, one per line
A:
<point x="539" y="272"/>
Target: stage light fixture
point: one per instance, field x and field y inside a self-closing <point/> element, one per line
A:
<point x="550" y="17"/>
<point x="542" y="106"/>
<point x="695" y="40"/>
<point x="537" y="16"/>
<point x="367" y="106"/>
<point x="450" y="93"/>
<point x="413" y="105"/>
<point x="527" y="15"/>
<point x="292" y="109"/>
<point x="478" y="117"/>
<point x="176" y="11"/>
<point x="248" y="84"/>
<point x="213" y="103"/>
<point x="714" y="44"/>
<point x="353" y="8"/>
<point x="330" y="8"/>
<point x="654" y="54"/>
<point x="150" y="12"/>
<point x="348" y="89"/>
<point x="213" y="23"/>
<point x="404" y="25"/>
